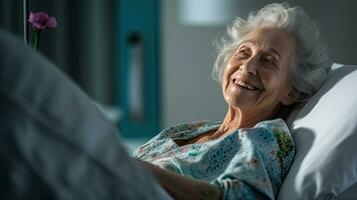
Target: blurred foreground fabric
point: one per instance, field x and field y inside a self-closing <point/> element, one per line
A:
<point x="54" y="142"/>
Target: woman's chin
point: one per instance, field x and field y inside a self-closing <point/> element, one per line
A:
<point x="239" y="97"/>
<point x="238" y="101"/>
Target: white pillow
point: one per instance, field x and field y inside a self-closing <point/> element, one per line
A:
<point x="325" y="134"/>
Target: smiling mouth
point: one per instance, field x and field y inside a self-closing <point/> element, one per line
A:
<point x="244" y="85"/>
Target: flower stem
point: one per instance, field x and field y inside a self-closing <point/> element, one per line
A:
<point x="37" y="39"/>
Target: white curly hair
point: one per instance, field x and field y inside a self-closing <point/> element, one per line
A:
<point x="311" y="61"/>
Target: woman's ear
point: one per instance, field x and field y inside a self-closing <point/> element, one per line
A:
<point x="288" y="99"/>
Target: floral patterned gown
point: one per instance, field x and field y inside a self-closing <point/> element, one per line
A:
<point x="244" y="164"/>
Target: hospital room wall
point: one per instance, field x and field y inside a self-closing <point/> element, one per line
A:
<point x="188" y="91"/>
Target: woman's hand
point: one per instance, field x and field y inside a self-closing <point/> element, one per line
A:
<point x="181" y="187"/>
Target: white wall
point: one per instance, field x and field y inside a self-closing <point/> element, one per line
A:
<point x="188" y="91"/>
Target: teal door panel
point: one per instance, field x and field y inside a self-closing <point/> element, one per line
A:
<point x="139" y="67"/>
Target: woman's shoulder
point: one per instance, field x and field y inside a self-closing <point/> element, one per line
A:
<point x="280" y="131"/>
<point x="275" y="127"/>
<point x="274" y="124"/>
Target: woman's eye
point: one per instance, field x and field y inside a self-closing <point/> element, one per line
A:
<point x="268" y="60"/>
<point x="244" y="53"/>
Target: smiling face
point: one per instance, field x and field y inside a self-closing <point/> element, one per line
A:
<point x="256" y="78"/>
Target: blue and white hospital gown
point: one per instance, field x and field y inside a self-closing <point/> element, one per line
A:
<point x="247" y="162"/>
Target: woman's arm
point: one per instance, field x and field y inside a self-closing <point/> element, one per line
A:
<point x="181" y="187"/>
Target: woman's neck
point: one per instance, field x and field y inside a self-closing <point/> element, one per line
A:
<point x="236" y="119"/>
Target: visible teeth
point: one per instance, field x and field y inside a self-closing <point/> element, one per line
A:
<point x="250" y="87"/>
<point x="246" y="85"/>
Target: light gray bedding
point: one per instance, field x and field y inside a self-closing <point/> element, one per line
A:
<point x="54" y="142"/>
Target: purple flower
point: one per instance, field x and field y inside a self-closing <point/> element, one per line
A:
<point x="41" y="20"/>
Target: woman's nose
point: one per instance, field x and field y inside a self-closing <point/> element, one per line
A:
<point x="249" y="67"/>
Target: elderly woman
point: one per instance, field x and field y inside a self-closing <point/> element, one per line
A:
<point x="269" y="63"/>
